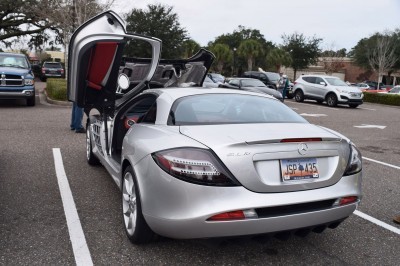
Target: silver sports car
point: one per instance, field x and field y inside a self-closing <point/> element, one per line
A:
<point x="194" y="162"/>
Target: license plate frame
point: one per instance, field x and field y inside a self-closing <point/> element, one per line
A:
<point x="299" y="169"/>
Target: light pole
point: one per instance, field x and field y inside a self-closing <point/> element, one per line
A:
<point x="233" y="68"/>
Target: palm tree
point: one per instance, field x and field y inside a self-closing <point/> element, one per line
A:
<point x="190" y="48"/>
<point x="222" y="55"/>
<point x="250" y="49"/>
<point x="278" y="57"/>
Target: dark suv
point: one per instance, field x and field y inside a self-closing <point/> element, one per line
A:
<point x="270" y="79"/>
<point x="16" y="78"/>
<point x="52" y="70"/>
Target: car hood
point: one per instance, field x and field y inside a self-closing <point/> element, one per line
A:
<point x="14" y="71"/>
<point x="347" y="89"/>
<point x="97" y="58"/>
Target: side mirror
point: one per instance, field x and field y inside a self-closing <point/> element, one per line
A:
<point x="323" y="83"/>
<point x="123" y="82"/>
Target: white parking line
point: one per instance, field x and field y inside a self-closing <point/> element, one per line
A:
<point x="369" y="109"/>
<point x="377" y="222"/>
<point x="319" y="106"/>
<point x="76" y="235"/>
<point x="386" y="164"/>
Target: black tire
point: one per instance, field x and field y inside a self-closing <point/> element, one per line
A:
<point x="136" y="227"/>
<point x="299" y="96"/>
<point x="290" y="96"/>
<point x="353" y="105"/>
<point x="331" y="100"/>
<point x="31" y="101"/>
<point x="91" y="158"/>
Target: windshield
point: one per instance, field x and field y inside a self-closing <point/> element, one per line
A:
<point x="252" y="83"/>
<point x="336" y="82"/>
<point x="217" y="77"/>
<point x="9" y="60"/>
<point x="215" y="109"/>
<point x="274" y="77"/>
<point x="52" y="65"/>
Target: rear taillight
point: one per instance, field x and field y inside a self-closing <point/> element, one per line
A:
<point x="301" y="140"/>
<point x="43" y="70"/>
<point x="194" y="165"/>
<point x="234" y="215"/>
<point x="62" y="71"/>
<point x="345" y="201"/>
<point x="355" y="161"/>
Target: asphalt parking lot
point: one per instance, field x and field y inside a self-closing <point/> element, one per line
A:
<point x="33" y="223"/>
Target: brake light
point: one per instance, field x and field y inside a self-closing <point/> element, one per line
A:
<point x="62" y="71"/>
<point x="194" y="165"/>
<point x="44" y="70"/>
<point x="301" y="140"/>
<point x="345" y="200"/>
<point x="234" y="215"/>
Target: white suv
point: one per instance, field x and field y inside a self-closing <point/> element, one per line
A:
<point x="326" y="88"/>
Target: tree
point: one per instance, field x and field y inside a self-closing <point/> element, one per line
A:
<point x="161" y="22"/>
<point x="278" y="58"/>
<point x="223" y="54"/>
<point x="250" y="49"/>
<point x="22" y="18"/>
<point x="190" y="48"/>
<point x="332" y="60"/>
<point x="303" y="50"/>
<point x="382" y="57"/>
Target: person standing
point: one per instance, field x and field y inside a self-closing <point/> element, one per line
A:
<point x="76" y="119"/>
<point x="285" y="87"/>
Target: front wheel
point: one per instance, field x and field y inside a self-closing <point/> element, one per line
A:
<point x="299" y="96"/>
<point x="135" y="225"/>
<point x="331" y="100"/>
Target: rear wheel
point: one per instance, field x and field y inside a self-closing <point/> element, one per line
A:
<point x="353" y="105"/>
<point x="135" y="225"/>
<point x="91" y="158"/>
<point x="299" y="96"/>
<point x="331" y="100"/>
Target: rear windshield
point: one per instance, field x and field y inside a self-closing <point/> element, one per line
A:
<point x="252" y="83"/>
<point x="215" y="109"/>
<point x="52" y="65"/>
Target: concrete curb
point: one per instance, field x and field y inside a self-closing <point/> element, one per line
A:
<point x="55" y="102"/>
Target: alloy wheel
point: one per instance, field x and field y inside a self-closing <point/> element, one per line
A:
<point x="129" y="204"/>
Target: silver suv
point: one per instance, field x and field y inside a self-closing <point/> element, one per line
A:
<point x="326" y="88"/>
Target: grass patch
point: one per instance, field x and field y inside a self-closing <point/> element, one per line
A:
<point x="382" y="98"/>
<point x="57" y="89"/>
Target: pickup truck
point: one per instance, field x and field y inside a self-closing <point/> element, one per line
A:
<point x="16" y="78"/>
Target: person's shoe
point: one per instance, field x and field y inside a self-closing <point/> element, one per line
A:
<point x="81" y="130"/>
<point x="396" y="219"/>
<point x="72" y="128"/>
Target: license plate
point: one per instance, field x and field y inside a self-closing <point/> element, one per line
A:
<point x="299" y="169"/>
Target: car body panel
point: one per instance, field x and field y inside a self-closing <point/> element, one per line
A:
<point x="258" y="89"/>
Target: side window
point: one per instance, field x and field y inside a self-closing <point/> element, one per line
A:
<point x="319" y="80"/>
<point x="144" y="108"/>
<point x="263" y="77"/>
<point x="234" y="82"/>
<point x="256" y="76"/>
<point x="309" y="79"/>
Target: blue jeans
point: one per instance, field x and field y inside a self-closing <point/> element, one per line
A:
<point x="76" y="117"/>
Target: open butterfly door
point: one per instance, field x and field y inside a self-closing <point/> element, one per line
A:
<point x="94" y="60"/>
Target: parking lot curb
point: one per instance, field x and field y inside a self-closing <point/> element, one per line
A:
<point x="55" y="102"/>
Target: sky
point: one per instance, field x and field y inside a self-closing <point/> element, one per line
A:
<point x="340" y="23"/>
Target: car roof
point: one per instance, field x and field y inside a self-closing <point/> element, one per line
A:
<point x="177" y="93"/>
<point x="14" y="54"/>
<point x="318" y="75"/>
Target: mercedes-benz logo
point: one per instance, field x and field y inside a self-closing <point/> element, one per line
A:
<point x="303" y="148"/>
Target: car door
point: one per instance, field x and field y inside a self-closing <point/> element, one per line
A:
<point x="308" y="86"/>
<point x="319" y="88"/>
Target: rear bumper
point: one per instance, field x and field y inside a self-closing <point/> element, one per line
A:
<point x="181" y="209"/>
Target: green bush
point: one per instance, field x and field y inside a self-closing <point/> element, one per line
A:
<point x="382" y="98"/>
<point x="57" y="89"/>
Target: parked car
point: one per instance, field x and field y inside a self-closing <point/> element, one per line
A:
<point x="394" y="90"/>
<point x="369" y="89"/>
<point x="248" y="84"/>
<point x="16" y="78"/>
<point x="270" y="79"/>
<point x="373" y="84"/>
<point x="217" y="78"/>
<point x="326" y="88"/>
<point x="52" y="70"/>
<point x="197" y="163"/>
